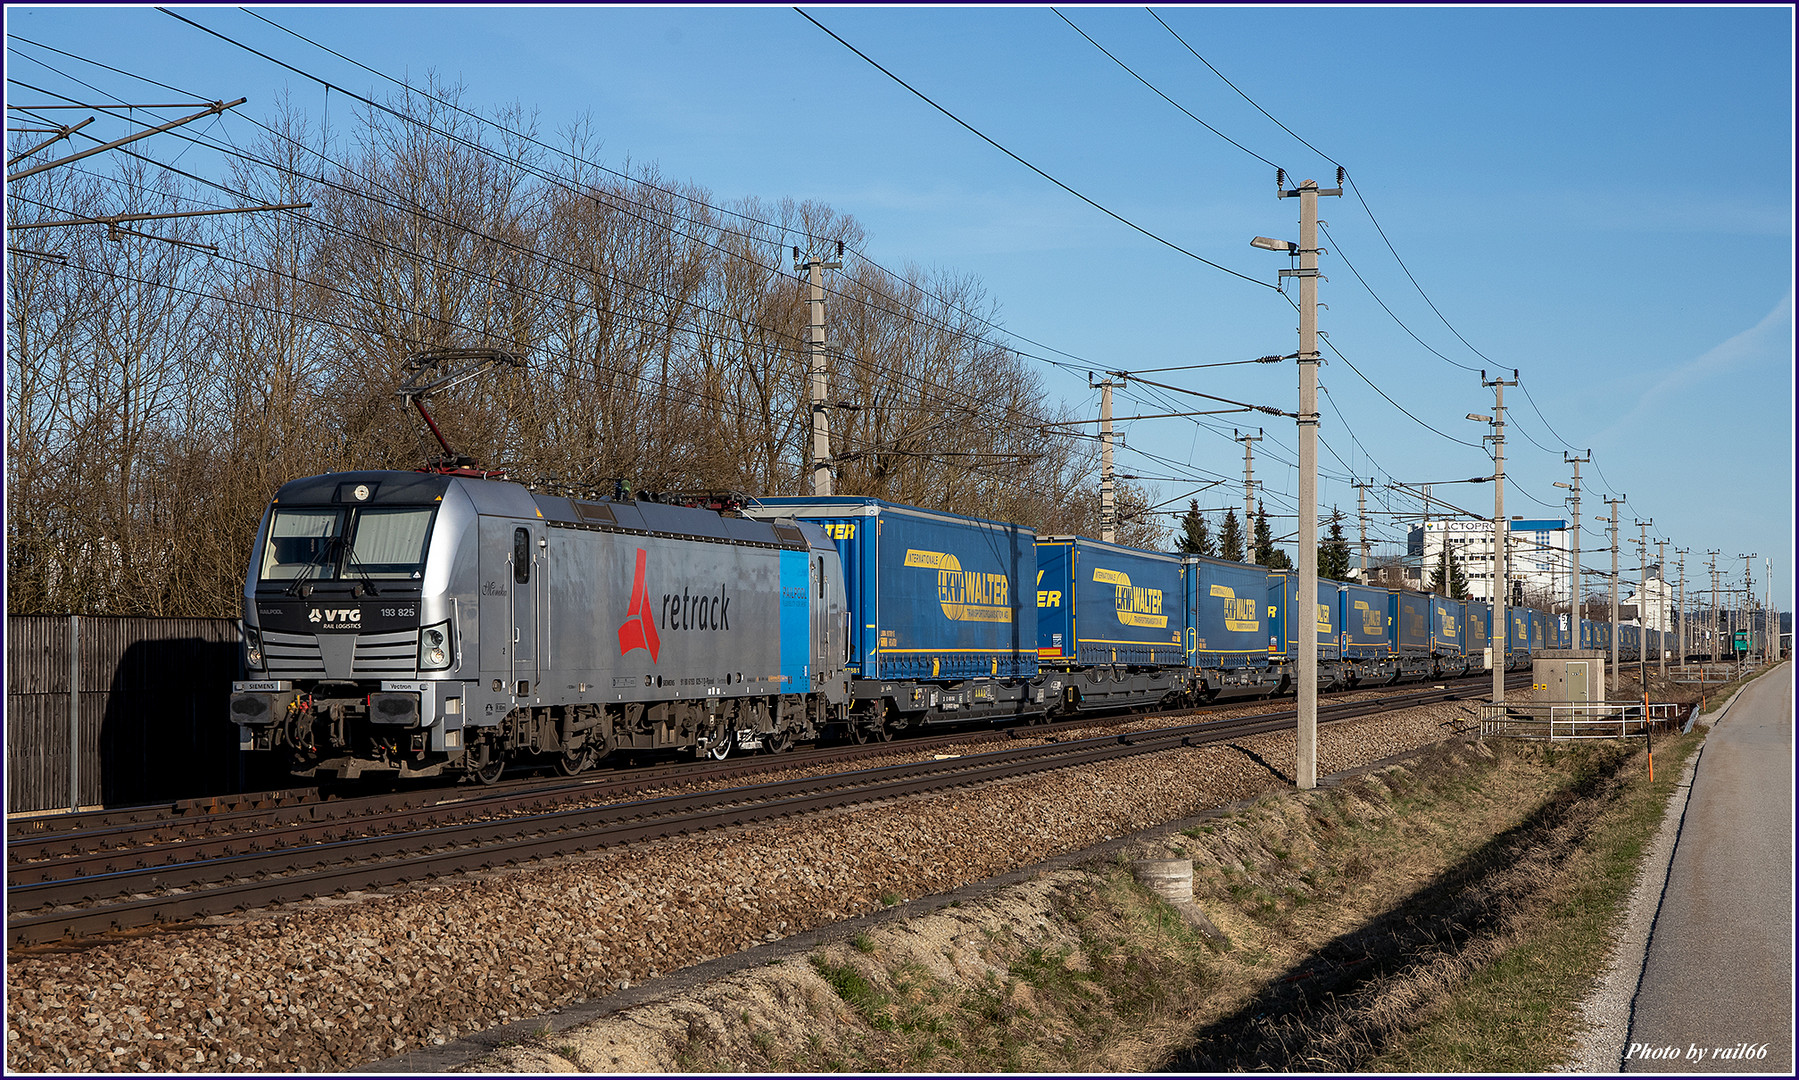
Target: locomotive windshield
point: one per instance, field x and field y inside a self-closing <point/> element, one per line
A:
<point x="327" y="542"/>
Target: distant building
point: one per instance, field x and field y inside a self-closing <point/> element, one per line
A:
<point x="1654" y="602"/>
<point x="1537" y="553"/>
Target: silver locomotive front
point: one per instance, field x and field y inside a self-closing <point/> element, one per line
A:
<point x="350" y="611"/>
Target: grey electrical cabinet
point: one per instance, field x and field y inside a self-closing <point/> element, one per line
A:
<point x="1564" y="676"/>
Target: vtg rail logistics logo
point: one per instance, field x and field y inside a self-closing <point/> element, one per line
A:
<point x="336" y="618"/>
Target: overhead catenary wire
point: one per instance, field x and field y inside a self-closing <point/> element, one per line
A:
<point x="486" y="150"/>
<point x="1120" y="218"/>
<point x="913" y="312"/>
<point x="316" y="284"/>
<point x="1373" y="219"/>
<point x="413" y="208"/>
<point x="1155" y="90"/>
<point x="1334" y="453"/>
<point x="860" y="255"/>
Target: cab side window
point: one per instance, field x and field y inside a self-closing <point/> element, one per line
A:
<point x="521" y="556"/>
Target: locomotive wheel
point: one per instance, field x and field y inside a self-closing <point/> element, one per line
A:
<point x="579" y="761"/>
<point x="488" y="772"/>
<point x="721" y="749"/>
<point x="777" y="742"/>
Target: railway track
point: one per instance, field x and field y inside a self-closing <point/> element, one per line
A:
<point x="116" y="876"/>
<point x="56" y="835"/>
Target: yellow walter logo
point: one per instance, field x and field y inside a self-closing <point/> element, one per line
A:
<point x="966" y="595"/>
<point x="1136" y="605"/>
<point x="1239" y="611"/>
<point x="1372" y="620"/>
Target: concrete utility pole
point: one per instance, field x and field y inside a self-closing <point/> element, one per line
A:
<point x="1715" y="620"/>
<point x="1643" y="601"/>
<point x="1613" y="503"/>
<point x="1501" y="632"/>
<point x="1361" y="499"/>
<point x="1249" y="483"/>
<point x="1108" y="510"/>
<point x="1661" y="575"/>
<point x="1748" y="595"/>
<point x="1306" y="773"/>
<point x="822" y="464"/>
<point x="1425" y="525"/>
<point x="1574" y="570"/>
<point x="1681" y="656"/>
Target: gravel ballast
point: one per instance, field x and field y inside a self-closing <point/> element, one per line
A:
<point x="334" y="984"/>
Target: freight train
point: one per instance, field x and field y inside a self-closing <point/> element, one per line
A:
<point x="417" y="624"/>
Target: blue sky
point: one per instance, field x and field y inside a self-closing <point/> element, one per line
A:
<point x="1599" y="197"/>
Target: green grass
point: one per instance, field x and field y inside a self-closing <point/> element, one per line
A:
<point x="1521" y="1012"/>
<point x="857" y="992"/>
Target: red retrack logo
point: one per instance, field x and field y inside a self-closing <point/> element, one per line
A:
<point x="639" y="629"/>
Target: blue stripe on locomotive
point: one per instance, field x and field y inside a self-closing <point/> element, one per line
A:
<point x="931" y="595"/>
<point x="796" y="623"/>
<point x="1224" y="602"/>
<point x="1100" y="603"/>
<point x="1362" y="613"/>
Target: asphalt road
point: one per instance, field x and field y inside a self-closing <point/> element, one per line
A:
<point x="1716" y="993"/>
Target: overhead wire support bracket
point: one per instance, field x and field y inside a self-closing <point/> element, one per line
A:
<point x="1269" y="409"/>
<point x="214" y="109"/>
<point x="116" y="233"/>
<point x="114" y="220"/>
<point x="426" y="374"/>
<point x="61" y="133"/>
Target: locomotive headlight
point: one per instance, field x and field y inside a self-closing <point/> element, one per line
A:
<point x="434" y="647"/>
<point x="253" y="647"/>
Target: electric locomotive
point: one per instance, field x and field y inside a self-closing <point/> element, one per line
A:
<point x="413" y="623"/>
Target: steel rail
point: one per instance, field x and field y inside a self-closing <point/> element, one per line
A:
<point x="63" y="835"/>
<point x="344" y="865"/>
<point x="284" y="821"/>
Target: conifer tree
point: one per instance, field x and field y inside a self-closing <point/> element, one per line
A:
<point x="1196" y="533"/>
<point x="1230" y="537"/>
<point x="1266" y="553"/>
<point x="1333" y="553"/>
<point x="1447" y="579"/>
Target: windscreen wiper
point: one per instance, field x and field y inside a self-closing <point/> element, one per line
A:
<point x="302" y="585"/>
<point x="353" y="565"/>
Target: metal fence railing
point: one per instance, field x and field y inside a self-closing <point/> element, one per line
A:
<point x="1557" y="720"/>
